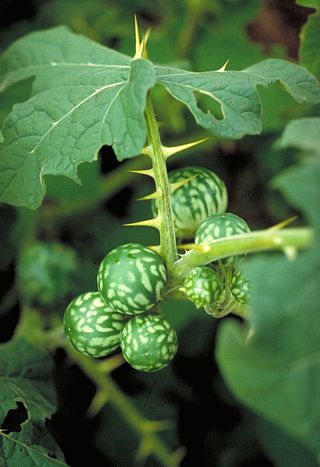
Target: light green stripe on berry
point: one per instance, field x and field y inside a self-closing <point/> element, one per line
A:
<point x="148" y="342"/>
<point x="240" y="288"/>
<point x="202" y="196"/>
<point x="131" y="279"/>
<point x="203" y="286"/>
<point x="92" y="327"/>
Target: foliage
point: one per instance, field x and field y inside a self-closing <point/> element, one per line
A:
<point x="64" y="98"/>
<point x="68" y="87"/>
<point x="277" y="356"/>
<point x="25" y="380"/>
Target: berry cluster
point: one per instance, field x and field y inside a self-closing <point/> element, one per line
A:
<point x="199" y="212"/>
<point x="132" y="279"/>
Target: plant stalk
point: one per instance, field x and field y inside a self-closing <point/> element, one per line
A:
<point x="287" y="240"/>
<point x="168" y="249"/>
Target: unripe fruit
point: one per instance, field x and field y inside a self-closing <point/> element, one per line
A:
<point x="240" y="288"/>
<point x="203" y="286"/>
<point x="91" y="327"/>
<point x="148" y="342"/>
<point x="131" y="279"/>
<point x="46" y="274"/>
<point x="220" y="226"/>
<point x="194" y="201"/>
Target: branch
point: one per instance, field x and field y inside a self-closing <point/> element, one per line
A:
<point x="287" y="240"/>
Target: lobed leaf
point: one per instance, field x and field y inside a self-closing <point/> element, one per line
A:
<point x="236" y="92"/>
<point x="25" y="373"/>
<point x="79" y="104"/>
<point x="85" y="95"/>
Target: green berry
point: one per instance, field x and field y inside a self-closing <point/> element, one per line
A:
<point x="240" y="288"/>
<point x="193" y="202"/>
<point x="46" y="274"/>
<point x="219" y="226"/>
<point x="91" y="327"/>
<point x="131" y="279"/>
<point x="203" y="286"/>
<point x="148" y="342"/>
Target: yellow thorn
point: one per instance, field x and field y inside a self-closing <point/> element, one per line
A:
<point x="144" y="43"/>
<point x="138" y="52"/>
<point x="174" y="186"/>
<point x="147" y="223"/>
<point x="155" y="195"/>
<point x="194" y="246"/>
<point x="223" y="68"/>
<point x="148" y="172"/>
<point x="283" y="224"/>
<point x="155" y="248"/>
<point x="290" y="252"/>
<point x="146" y="151"/>
<point x="169" y="151"/>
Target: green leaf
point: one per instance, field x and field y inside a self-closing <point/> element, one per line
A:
<point x="236" y="92"/>
<point x="25" y="378"/>
<point x="273" y="365"/>
<point x="303" y="134"/>
<point x="309" y="49"/>
<point x="276" y="370"/>
<point x="282" y="448"/>
<point x="85" y="95"/>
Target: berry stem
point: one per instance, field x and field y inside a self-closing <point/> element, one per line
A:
<point x="168" y="249"/>
<point x="262" y="240"/>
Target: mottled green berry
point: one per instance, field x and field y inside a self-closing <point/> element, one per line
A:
<point x="91" y="327"/>
<point x="148" y="342"/>
<point x="240" y="288"/>
<point x="203" y="195"/>
<point x="46" y="274"/>
<point x="203" y="286"/>
<point x="131" y="279"/>
<point x="219" y="226"/>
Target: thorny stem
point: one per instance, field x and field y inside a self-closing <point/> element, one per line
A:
<point x="168" y="249"/>
<point x="262" y="240"/>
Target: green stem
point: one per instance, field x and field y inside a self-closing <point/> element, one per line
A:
<point x="114" y="394"/>
<point x="195" y="9"/>
<point x="168" y="249"/>
<point x="287" y="240"/>
<point x="31" y="328"/>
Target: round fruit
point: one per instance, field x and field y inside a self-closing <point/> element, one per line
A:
<point x="91" y="327"/>
<point x="203" y="286"/>
<point x="240" y="288"/>
<point x="46" y="274"/>
<point x="219" y="226"/>
<point x="131" y="279"/>
<point x="148" y="342"/>
<point x="193" y="202"/>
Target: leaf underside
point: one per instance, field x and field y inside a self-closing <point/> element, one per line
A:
<point x="85" y="96"/>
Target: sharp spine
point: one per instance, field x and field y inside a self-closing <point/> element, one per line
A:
<point x="148" y="172"/>
<point x="170" y="151"/>
<point x="155" y="195"/>
<point x="147" y="223"/>
<point x="174" y="186"/>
